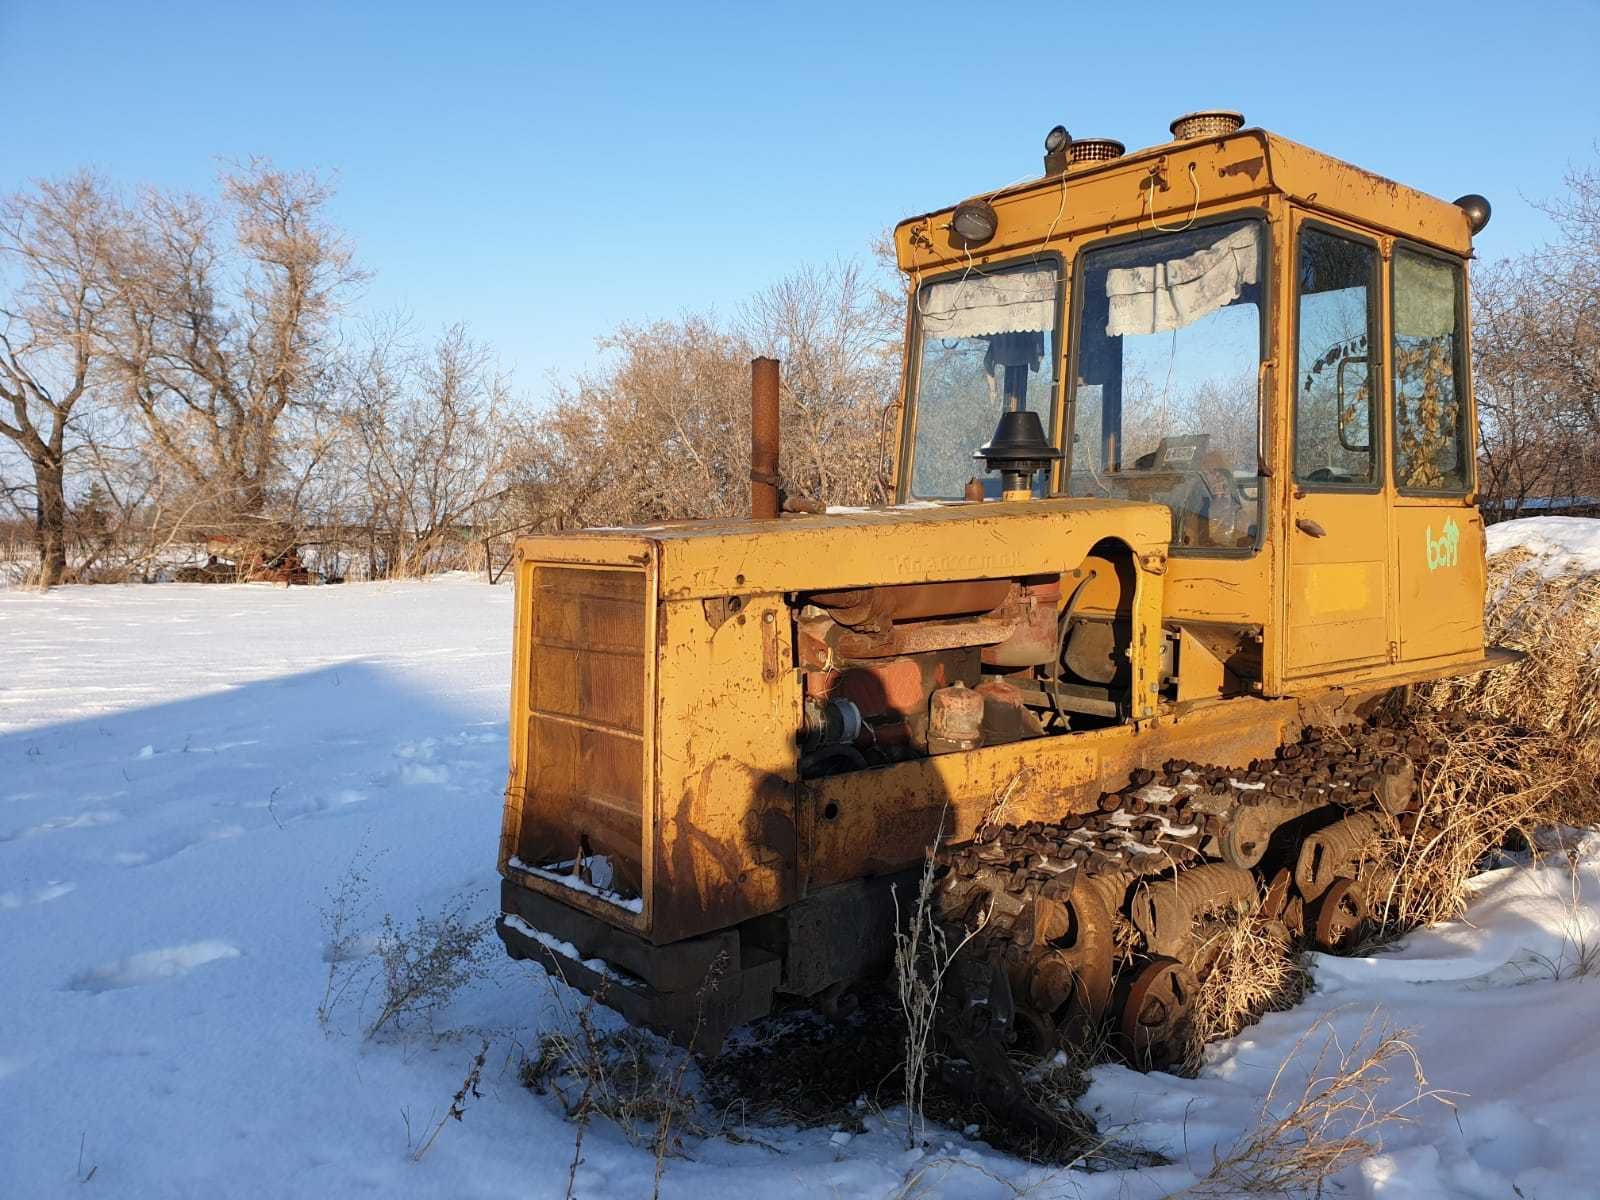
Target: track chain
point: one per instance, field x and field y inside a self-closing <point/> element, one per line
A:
<point x="1093" y="925"/>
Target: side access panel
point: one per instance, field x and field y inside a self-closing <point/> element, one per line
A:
<point x="1440" y="551"/>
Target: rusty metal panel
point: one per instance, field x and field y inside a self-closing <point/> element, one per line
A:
<point x="913" y="543"/>
<point x="724" y="846"/>
<point x="881" y="820"/>
<point x="1157" y="186"/>
<point x="585" y="720"/>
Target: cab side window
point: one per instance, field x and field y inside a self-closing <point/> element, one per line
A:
<point x="1335" y="420"/>
<point x="1430" y="450"/>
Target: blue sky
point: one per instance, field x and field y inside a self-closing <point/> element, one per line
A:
<point x="544" y="172"/>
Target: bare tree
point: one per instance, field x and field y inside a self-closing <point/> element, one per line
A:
<point x="54" y="239"/>
<point x="1536" y="334"/>
<point x="432" y="432"/>
<point x="840" y="351"/>
<point x="225" y="332"/>
<point x="662" y="429"/>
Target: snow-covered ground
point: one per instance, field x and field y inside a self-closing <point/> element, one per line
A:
<point x="186" y="771"/>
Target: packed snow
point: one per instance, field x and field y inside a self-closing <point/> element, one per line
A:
<point x="1559" y="544"/>
<point x="187" y="773"/>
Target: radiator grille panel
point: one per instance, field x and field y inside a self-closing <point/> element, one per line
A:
<point x="588" y="672"/>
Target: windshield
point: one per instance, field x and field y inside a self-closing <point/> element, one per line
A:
<point x="986" y="342"/>
<point x="1164" y="404"/>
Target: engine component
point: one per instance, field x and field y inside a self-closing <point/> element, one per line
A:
<point x="1092" y="651"/>
<point x="830" y="721"/>
<point x="955" y="719"/>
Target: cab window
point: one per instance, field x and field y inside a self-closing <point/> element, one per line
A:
<point x="986" y="341"/>
<point x="1430" y="436"/>
<point x="1165" y="397"/>
<point x="1335" y="416"/>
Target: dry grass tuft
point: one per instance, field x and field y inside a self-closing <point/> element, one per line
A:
<point x="1255" y="970"/>
<point x="629" y="1076"/>
<point x="1336" y="1119"/>
<point x="1554" y="692"/>
<point x="1492" y="786"/>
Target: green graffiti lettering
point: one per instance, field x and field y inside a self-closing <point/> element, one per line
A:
<point x="1444" y="550"/>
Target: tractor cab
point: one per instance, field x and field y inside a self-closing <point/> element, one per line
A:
<point x="1267" y="342"/>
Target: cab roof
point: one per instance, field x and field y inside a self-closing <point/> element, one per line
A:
<point x="1181" y="181"/>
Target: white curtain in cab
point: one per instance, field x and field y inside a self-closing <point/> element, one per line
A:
<point x="984" y="305"/>
<point x="1171" y="294"/>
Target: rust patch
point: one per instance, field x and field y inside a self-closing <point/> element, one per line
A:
<point x="1245" y="166"/>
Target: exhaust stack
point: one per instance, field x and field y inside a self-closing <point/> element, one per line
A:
<point x="764" y="439"/>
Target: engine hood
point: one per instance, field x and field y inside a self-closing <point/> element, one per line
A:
<point x="846" y="548"/>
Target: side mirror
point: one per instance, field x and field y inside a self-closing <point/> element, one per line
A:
<point x="1355" y="407"/>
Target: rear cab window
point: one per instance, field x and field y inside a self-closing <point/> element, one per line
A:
<point x="1432" y="445"/>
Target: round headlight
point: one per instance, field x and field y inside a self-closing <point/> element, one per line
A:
<point x="974" y="221"/>
<point x="1477" y="210"/>
<point x="1056" y="140"/>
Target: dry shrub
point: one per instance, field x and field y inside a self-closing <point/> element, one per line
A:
<point x="1336" y="1120"/>
<point x="415" y="970"/>
<point x="1554" y="692"/>
<point x="1255" y="970"/>
<point x="423" y="965"/>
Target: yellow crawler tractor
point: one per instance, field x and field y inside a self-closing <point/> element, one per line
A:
<point x="1184" y="473"/>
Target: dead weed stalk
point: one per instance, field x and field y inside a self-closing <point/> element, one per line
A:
<point x="922" y="957"/>
<point x="458" y="1102"/>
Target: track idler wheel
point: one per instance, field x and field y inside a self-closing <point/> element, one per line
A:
<point x="1155" y="1012"/>
<point x="1397" y="785"/>
<point x="1338" y="916"/>
<point x="1254" y="825"/>
<point x="1334" y="852"/>
<point x="1165" y="912"/>
<point x="1094" y="901"/>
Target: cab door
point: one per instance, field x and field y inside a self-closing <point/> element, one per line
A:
<point x="1337" y="537"/>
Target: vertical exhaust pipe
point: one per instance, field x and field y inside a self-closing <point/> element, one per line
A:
<point x="763" y="439"/>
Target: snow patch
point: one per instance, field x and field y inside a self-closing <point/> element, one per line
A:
<point x="1560" y="544"/>
<point x="567" y="950"/>
<point x="417" y="773"/>
<point x="152" y="966"/>
<point x="560" y="875"/>
<point x="53" y="890"/>
<point x="86" y="820"/>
